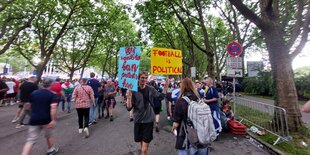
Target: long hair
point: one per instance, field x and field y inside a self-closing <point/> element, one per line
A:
<point x="187" y="85"/>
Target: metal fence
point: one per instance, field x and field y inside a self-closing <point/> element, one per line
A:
<point x="266" y="117"/>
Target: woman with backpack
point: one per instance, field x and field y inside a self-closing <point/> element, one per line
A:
<point x="180" y="117"/>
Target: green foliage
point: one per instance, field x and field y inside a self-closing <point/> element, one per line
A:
<point x="302" y="82"/>
<point x="260" y="85"/>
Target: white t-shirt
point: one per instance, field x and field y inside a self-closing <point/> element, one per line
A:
<point x="11" y="86"/>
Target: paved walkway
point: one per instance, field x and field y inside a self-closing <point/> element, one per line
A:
<point x="113" y="138"/>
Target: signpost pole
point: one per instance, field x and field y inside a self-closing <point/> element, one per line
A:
<point x="234" y="93"/>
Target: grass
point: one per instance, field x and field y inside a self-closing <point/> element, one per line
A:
<point x="293" y="147"/>
<point x="300" y="102"/>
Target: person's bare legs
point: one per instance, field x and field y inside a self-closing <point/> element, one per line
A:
<point x="144" y="148"/>
<point x="27" y="148"/>
<point x="50" y="142"/>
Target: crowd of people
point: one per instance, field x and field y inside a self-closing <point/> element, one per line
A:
<point x="94" y="99"/>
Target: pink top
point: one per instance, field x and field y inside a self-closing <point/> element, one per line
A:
<point x="81" y="95"/>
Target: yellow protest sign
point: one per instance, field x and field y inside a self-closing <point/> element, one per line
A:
<point x="166" y="61"/>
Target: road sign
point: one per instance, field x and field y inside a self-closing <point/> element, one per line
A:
<point x="193" y="72"/>
<point x="234" y="72"/>
<point x="234" y="49"/>
<point x="234" y="63"/>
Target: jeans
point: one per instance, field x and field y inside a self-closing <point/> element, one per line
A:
<point x="194" y="151"/>
<point x="83" y="116"/>
<point x="101" y="106"/>
<point x="68" y="97"/>
<point x="93" y="112"/>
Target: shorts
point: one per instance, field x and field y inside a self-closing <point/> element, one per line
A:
<point x="110" y="102"/>
<point x="10" y="95"/>
<point x="143" y="132"/>
<point x="157" y="110"/>
<point x="34" y="132"/>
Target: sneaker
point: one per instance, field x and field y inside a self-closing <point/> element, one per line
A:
<point x="55" y="150"/>
<point x="90" y="123"/>
<point x="94" y="122"/>
<point x="86" y="130"/>
<point x="14" y="120"/>
<point x="80" y="130"/>
<point x="19" y="126"/>
<point x="131" y="119"/>
<point x="111" y="118"/>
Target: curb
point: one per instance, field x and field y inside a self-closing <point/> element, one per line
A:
<point x="268" y="147"/>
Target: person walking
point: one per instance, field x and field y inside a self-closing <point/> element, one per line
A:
<point x="67" y="88"/>
<point x="43" y="117"/>
<point x="10" y="95"/>
<point x="180" y="118"/>
<point x="100" y="101"/>
<point x="110" y="102"/>
<point x="95" y="85"/>
<point x="141" y="102"/>
<point x="26" y="89"/>
<point x="83" y="95"/>
<point x="3" y="89"/>
<point x="157" y="105"/>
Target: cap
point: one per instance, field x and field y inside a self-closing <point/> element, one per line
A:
<point x="47" y="82"/>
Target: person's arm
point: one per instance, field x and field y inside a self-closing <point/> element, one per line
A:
<point x="178" y="114"/>
<point x="170" y="108"/>
<point x="92" y="97"/>
<point x="214" y="98"/>
<point x="63" y="95"/>
<point x="129" y="100"/>
<point x="5" y="89"/>
<point x="53" y="115"/>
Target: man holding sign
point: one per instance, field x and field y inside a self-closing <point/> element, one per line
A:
<point x="142" y="104"/>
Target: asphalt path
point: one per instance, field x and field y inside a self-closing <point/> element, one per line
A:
<point x="108" y="138"/>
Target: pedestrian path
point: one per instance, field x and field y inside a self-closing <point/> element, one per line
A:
<point x="109" y="138"/>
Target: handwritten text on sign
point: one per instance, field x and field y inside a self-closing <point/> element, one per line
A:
<point x="128" y="67"/>
<point x="166" y="61"/>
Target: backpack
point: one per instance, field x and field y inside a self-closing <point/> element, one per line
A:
<point x="200" y="123"/>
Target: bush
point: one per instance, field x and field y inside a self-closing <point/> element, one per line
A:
<point x="302" y="83"/>
<point x="263" y="85"/>
<point x="260" y="85"/>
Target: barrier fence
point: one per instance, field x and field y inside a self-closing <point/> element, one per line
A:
<point x="267" y="117"/>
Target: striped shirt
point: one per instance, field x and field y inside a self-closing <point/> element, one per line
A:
<point x="82" y="94"/>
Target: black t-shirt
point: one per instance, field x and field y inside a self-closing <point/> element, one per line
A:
<point x="41" y="101"/>
<point x="26" y="89"/>
<point x="2" y="86"/>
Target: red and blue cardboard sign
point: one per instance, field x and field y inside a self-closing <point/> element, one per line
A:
<point x="234" y="49"/>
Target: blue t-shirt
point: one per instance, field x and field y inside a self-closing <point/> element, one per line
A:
<point x="94" y="84"/>
<point x="41" y="101"/>
<point x="210" y="94"/>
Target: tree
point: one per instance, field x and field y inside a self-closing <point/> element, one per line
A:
<point x="165" y="30"/>
<point x="285" y="33"/>
<point x="15" y="16"/>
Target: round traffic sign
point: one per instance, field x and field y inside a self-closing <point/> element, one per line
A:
<point x="234" y="49"/>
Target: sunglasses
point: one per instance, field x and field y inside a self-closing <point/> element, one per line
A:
<point x="143" y="77"/>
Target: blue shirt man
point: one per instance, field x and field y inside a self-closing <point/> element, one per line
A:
<point x="95" y="85"/>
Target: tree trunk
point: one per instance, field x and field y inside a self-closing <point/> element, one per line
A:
<point x="82" y="72"/>
<point x="286" y="95"/>
<point x="71" y="74"/>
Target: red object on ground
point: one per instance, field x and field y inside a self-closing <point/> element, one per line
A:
<point x="236" y="127"/>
